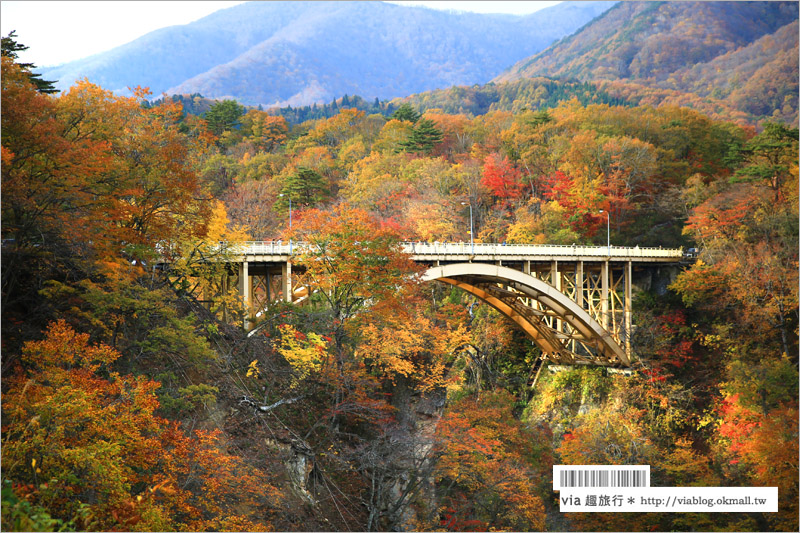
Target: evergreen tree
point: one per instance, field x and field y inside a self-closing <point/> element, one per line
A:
<point x="423" y="138"/>
<point x="306" y="188"/>
<point x="224" y="116"/>
<point x="541" y="117"/>
<point x="9" y="48"/>
<point x="406" y="112"/>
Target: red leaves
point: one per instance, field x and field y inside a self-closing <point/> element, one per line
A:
<point x="723" y="215"/>
<point x="582" y="208"/>
<point x="353" y="259"/>
<point x="64" y="347"/>
<point x="451" y="520"/>
<point x="738" y="423"/>
<point x="501" y="177"/>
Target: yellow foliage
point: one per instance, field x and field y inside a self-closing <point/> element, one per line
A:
<point x="433" y="222"/>
<point x="373" y="178"/>
<point x="412" y="346"/>
<point x="253" y="370"/>
<point x="306" y="353"/>
<point x="219" y="228"/>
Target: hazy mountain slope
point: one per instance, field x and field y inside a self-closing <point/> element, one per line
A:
<point x="651" y="40"/>
<point x="302" y="52"/>
<point x="759" y="78"/>
<point x="168" y="56"/>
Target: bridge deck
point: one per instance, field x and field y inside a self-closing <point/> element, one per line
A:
<point x="278" y="251"/>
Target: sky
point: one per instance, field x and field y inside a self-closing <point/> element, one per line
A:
<point x="62" y="31"/>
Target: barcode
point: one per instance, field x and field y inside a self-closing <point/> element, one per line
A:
<point x="603" y="478"/>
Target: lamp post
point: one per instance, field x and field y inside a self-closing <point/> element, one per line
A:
<point x="471" y="239"/>
<point x="290" y="220"/>
<point x="608" y="231"/>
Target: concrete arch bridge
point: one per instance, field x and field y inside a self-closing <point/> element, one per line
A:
<point x="574" y="302"/>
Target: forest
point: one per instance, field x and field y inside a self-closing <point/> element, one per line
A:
<point x="132" y="399"/>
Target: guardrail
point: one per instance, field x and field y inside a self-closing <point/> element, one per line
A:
<point x="532" y="250"/>
<point x="476" y="250"/>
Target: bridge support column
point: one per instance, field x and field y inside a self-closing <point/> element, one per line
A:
<point x="628" y="306"/>
<point x="604" y="294"/>
<point x="224" y="282"/>
<point x="555" y="277"/>
<point x="246" y="292"/>
<point x="526" y="267"/>
<point x="286" y="273"/>
<point x="579" y="284"/>
<point x="555" y="281"/>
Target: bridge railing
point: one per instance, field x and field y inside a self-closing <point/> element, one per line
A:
<point x="492" y="249"/>
<point x="477" y="249"/>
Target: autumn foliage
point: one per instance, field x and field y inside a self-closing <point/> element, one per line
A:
<point x="133" y="399"/>
<point x="91" y="450"/>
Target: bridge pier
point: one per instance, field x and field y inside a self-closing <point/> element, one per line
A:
<point x="286" y="273"/>
<point x="579" y="284"/>
<point x="604" y="294"/>
<point x="258" y="283"/>
<point x="628" y="306"/>
<point x="555" y="281"/>
<point x="601" y="288"/>
<point x="246" y="292"/>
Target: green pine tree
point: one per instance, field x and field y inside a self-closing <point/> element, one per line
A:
<point x="407" y="113"/>
<point x="423" y="138"/>
<point x="224" y="116"/>
<point x="9" y="48"/>
<point x="306" y="188"/>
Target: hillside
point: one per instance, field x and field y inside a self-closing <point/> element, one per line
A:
<point x="300" y="53"/>
<point x="760" y="79"/>
<point x="742" y="53"/>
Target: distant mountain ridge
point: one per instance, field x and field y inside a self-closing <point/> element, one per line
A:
<point x="744" y="54"/>
<point x="299" y="53"/>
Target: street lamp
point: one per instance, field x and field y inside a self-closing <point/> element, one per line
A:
<point x="608" y="231"/>
<point x="471" y="239"/>
<point x="290" y="220"/>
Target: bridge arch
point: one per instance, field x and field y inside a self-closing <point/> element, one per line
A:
<point x="563" y="330"/>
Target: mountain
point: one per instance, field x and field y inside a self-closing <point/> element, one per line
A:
<point x="743" y="54"/>
<point x="298" y="53"/>
<point x="650" y="40"/>
<point x="759" y="78"/>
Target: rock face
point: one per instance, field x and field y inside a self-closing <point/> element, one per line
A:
<point x="299" y="53"/>
<point x="656" y="279"/>
<point x="404" y="482"/>
<point x="299" y="466"/>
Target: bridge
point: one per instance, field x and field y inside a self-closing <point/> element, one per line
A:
<point x="574" y="302"/>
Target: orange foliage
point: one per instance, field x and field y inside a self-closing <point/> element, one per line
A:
<point x="488" y="471"/>
<point x="91" y="450"/>
<point x="107" y="171"/>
